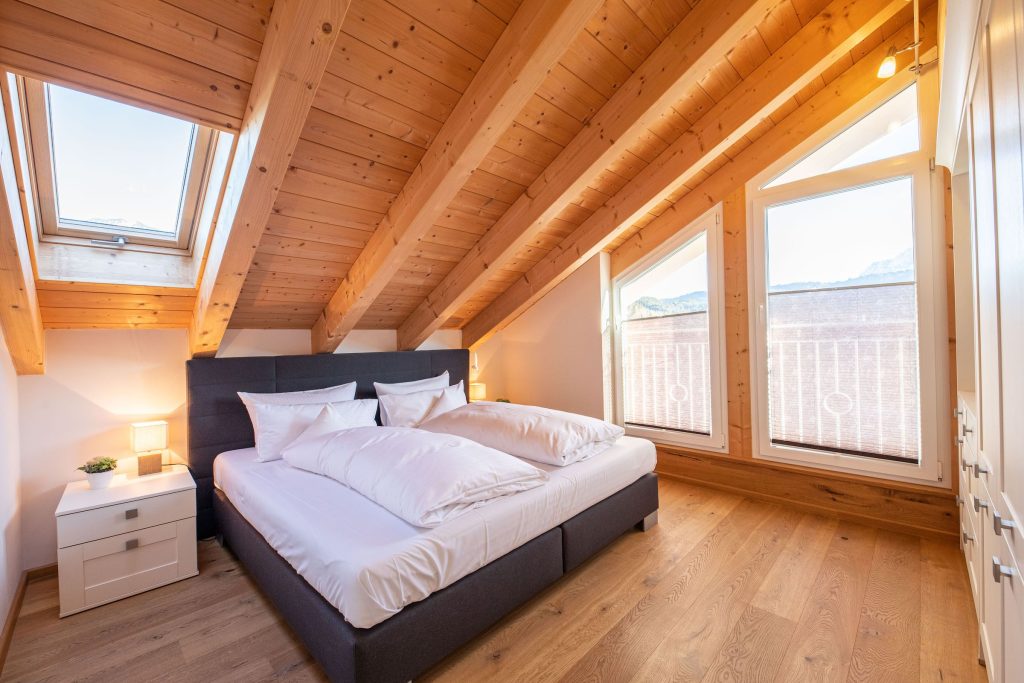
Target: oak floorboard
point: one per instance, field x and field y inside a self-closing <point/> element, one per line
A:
<point x="724" y="588"/>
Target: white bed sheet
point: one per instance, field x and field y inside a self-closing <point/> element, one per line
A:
<point x="369" y="563"/>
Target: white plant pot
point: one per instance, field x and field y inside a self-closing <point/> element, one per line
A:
<point x="100" y="480"/>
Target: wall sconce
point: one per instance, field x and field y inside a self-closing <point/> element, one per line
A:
<point x="149" y="440"/>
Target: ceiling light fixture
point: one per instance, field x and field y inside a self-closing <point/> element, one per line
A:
<point x="887" y="69"/>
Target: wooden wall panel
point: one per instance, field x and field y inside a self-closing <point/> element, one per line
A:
<point x="908" y="508"/>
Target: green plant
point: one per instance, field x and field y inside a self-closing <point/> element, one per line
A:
<point x="97" y="465"/>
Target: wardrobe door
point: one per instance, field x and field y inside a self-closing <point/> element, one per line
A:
<point x="987" y="346"/>
<point x="1005" y="23"/>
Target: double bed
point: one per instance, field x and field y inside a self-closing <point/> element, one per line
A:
<point x="372" y="597"/>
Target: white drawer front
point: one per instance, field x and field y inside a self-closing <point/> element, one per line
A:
<point x="102" y="571"/>
<point x="112" y="520"/>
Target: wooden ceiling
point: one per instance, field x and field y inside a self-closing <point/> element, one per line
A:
<point x="474" y="219"/>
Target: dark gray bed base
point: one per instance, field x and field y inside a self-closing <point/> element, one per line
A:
<point x="424" y="633"/>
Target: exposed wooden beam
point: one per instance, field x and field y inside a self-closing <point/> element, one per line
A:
<point x="698" y="43"/>
<point x="528" y="48"/>
<point x="20" y="317"/>
<point x="855" y="84"/>
<point x="821" y="43"/>
<point x="299" y="42"/>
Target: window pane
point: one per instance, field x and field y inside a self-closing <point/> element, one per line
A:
<point x="842" y="323"/>
<point x="117" y="165"/>
<point x="679" y="284"/>
<point x="666" y="361"/>
<point x="889" y="131"/>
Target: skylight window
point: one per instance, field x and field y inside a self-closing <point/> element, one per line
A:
<point x="113" y="174"/>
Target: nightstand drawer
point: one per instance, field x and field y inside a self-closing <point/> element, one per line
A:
<point x="91" y="525"/>
<point x="102" y="571"/>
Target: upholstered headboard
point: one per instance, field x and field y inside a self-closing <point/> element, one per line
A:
<point x="218" y="422"/>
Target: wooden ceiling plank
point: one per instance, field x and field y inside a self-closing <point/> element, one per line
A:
<point x="850" y="88"/>
<point x="246" y="17"/>
<point x="55" y="48"/>
<point x="299" y="42"/>
<point x="519" y="61"/>
<point x="20" y="317"/>
<point x="699" y="42"/>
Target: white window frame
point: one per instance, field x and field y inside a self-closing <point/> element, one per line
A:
<point x="36" y="118"/>
<point x="929" y="257"/>
<point x="718" y="440"/>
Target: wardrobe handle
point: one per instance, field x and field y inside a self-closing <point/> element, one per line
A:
<point x="979" y="469"/>
<point x="967" y="537"/>
<point x="979" y="503"/>
<point x="967" y="430"/>
<point x="998" y="523"/>
<point x="999" y="570"/>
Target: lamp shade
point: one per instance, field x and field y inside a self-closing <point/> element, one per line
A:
<point x="149" y="436"/>
<point x="477" y="391"/>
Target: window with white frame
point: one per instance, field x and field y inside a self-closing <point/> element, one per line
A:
<point x="105" y="172"/>
<point x="669" y="341"/>
<point x="846" y="284"/>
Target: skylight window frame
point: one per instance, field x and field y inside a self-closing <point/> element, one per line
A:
<point x="36" y="117"/>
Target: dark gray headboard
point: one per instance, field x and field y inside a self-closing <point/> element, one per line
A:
<point x="218" y="422"/>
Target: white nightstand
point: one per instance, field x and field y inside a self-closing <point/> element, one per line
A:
<point x="136" y="535"/>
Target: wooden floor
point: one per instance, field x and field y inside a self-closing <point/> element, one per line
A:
<point x="723" y="589"/>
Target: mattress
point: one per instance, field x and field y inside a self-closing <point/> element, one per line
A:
<point x="369" y="563"/>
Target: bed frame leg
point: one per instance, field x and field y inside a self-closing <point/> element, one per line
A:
<point x="648" y="522"/>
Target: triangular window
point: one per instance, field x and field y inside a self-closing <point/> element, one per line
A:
<point x="888" y="131"/>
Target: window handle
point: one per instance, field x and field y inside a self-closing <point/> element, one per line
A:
<point x="118" y="241"/>
<point x="998" y="523"/>
<point x="999" y="570"/>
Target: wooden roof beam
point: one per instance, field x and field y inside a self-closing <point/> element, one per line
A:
<point x="529" y="47"/>
<point x="299" y="42"/>
<point x="20" y="316"/>
<point x="695" y="46"/>
<point x="855" y="84"/>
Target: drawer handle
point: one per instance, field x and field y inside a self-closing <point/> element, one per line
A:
<point x="998" y="523"/>
<point x="979" y="469"/>
<point x="999" y="570"/>
<point x="979" y="503"/>
<point x="131" y="544"/>
<point x="131" y="514"/>
<point x="967" y="537"/>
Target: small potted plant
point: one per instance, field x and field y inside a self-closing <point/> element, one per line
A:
<point x="99" y="472"/>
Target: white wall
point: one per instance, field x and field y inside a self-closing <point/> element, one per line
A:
<point x="10" y="520"/>
<point x="265" y="343"/>
<point x="553" y="354"/>
<point x="97" y="382"/>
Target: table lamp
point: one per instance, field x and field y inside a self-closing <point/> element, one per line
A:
<point x="477" y="391"/>
<point x="149" y="439"/>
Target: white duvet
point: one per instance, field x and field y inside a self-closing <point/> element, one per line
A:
<point x="540" y="434"/>
<point x="422" y="477"/>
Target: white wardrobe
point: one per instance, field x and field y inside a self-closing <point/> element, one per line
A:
<point x="988" y="215"/>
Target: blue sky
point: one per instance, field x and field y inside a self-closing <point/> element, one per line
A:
<point x="114" y="161"/>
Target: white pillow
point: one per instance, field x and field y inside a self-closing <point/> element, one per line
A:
<point x="341" y="392"/>
<point x="399" y="388"/>
<point x="277" y="426"/>
<point x="331" y="420"/>
<point x="409" y="410"/>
